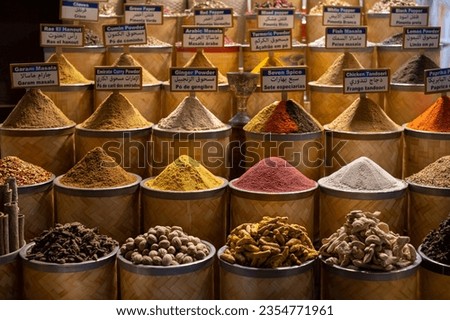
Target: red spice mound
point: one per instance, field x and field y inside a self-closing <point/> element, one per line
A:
<point x="280" y="121"/>
<point x="273" y="175"/>
<point x="436" y="118"/>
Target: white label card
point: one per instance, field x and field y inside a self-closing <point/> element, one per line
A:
<point x="28" y="75"/>
<point x="283" y="79"/>
<point x="437" y="80"/>
<point x="79" y="10"/>
<point x="193" y="79"/>
<point x="269" y="40"/>
<point x="203" y="37"/>
<point x="415" y="38"/>
<point x="124" y="34"/>
<point x="341" y="16"/>
<point x="366" y="80"/>
<point x="409" y="16"/>
<point x="275" y="18"/>
<point x="53" y="35"/>
<point x="118" y="78"/>
<point x="222" y="17"/>
<point x="345" y="37"/>
<point x="149" y="14"/>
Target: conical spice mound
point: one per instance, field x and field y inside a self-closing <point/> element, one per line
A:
<point x="68" y="74"/>
<point x="334" y="75"/>
<point x="199" y="59"/>
<point x="126" y="60"/>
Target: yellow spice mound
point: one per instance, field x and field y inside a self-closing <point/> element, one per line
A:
<point x="270" y="61"/>
<point x="126" y="60"/>
<point x="68" y="74"/>
<point x="199" y="60"/>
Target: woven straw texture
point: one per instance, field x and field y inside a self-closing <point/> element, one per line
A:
<point x="294" y="57"/>
<point x="133" y="153"/>
<point x="295" y="287"/>
<point x="168" y="149"/>
<point x="54" y="153"/>
<point x="433" y="285"/>
<point x="314" y="28"/>
<point x="204" y="218"/>
<point x="176" y="5"/>
<point x="426" y="212"/>
<point x="338" y="287"/>
<point x="378" y="28"/>
<point x="300" y="211"/>
<point x="333" y="211"/>
<point x="38" y="210"/>
<point x="394" y="59"/>
<point x="96" y="284"/>
<point x="169" y="31"/>
<point x="259" y="100"/>
<point x="326" y="106"/>
<point x="10" y="280"/>
<point x="77" y="105"/>
<point x="420" y="152"/>
<point x="306" y="155"/>
<point x="116" y="216"/>
<point x="196" y="285"/>
<point x="388" y="153"/>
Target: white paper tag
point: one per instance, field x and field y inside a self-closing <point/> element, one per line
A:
<point x="27" y="75"/>
<point x="53" y="35"/>
<point x="222" y="17"/>
<point x="409" y="16"/>
<point x="366" y="80"/>
<point x="193" y="79"/>
<point x="203" y="37"/>
<point x="149" y="14"/>
<point x="341" y="16"/>
<point x="275" y="18"/>
<point x="283" y="79"/>
<point x="79" y="10"/>
<point x="118" y="78"/>
<point x="437" y="80"/>
<point x="345" y="37"/>
<point x="269" y="40"/>
<point x="414" y="38"/>
<point x="124" y="34"/>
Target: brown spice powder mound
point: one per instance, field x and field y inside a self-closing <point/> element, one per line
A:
<point x="436" y="174"/>
<point x="126" y="60"/>
<point x="364" y="115"/>
<point x="412" y="71"/>
<point x="68" y="74"/>
<point x="115" y="112"/>
<point x="334" y="74"/>
<point x="25" y="173"/>
<point x="36" y="110"/>
<point x="199" y="60"/>
<point x="97" y="170"/>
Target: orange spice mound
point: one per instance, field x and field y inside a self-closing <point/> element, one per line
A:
<point x="280" y="121"/>
<point x="435" y="118"/>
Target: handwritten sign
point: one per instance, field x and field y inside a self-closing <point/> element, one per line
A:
<point x="367" y="80"/>
<point x="118" y="78"/>
<point x="283" y="79"/>
<point x="203" y="37"/>
<point x="124" y="34"/>
<point x="62" y="35"/>
<point x="27" y="75"/>
<point x="222" y="17"/>
<point x="268" y="40"/>
<point x="345" y="37"/>
<point x="414" y="38"/>
<point x="79" y="10"/>
<point x="437" y="80"/>
<point x="341" y="16"/>
<point x="149" y="14"/>
<point x="275" y="18"/>
<point x="409" y="16"/>
<point x="193" y="79"/>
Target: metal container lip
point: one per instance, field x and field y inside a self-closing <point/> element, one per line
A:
<point x="366" y="275"/>
<point x="432" y="265"/>
<point x="432" y="135"/>
<point x="10" y="257"/>
<point x="271" y="196"/>
<point x="41" y="131"/>
<point x="36" y="187"/>
<point x="365" y="194"/>
<point x="226" y="129"/>
<point x="284" y="136"/>
<point x="183" y="195"/>
<point x="264" y="272"/>
<point x="95" y="132"/>
<point x="369" y="135"/>
<point x="150" y="270"/>
<point x="67" y="267"/>
<point x="430" y="190"/>
<point x="325" y="87"/>
<point x="407" y="86"/>
<point x="222" y="87"/>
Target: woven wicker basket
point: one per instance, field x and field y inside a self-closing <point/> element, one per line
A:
<point x="114" y="210"/>
<point x="91" y="280"/>
<point x="378" y="27"/>
<point x="428" y="207"/>
<point x="385" y="148"/>
<point x="52" y="149"/>
<point x="76" y="101"/>
<point x="10" y="276"/>
<point x="170" y="31"/>
<point x="336" y="204"/>
<point x="302" y="150"/>
<point x="245" y="283"/>
<point x="423" y="148"/>
<point x="251" y="206"/>
<point x="434" y="279"/>
<point x="193" y="281"/>
<point x="339" y="283"/>
<point x="168" y="145"/>
<point x="130" y="148"/>
<point x="36" y="203"/>
<point x="405" y="102"/>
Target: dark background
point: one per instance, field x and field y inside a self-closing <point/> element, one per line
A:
<point x="19" y="41"/>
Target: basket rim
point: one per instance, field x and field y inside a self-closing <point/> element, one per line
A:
<point x="79" y="128"/>
<point x="370" y="134"/>
<point x="271" y="195"/>
<point x="296" y="136"/>
<point x="163" y="132"/>
<point x="432" y="265"/>
<point x="10" y="257"/>
<point x="70" y="128"/>
<point x="365" y="194"/>
<point x="431" y="190"/>
<point x="28" y="188"/>
<point x="425" y="134"/>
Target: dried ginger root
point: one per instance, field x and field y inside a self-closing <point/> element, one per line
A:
<point x="270" y="243"/>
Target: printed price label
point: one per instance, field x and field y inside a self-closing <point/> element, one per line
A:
<point x="365" y="81"/>
<point x="79" y="10"/>
<point x="283" y="79"/>
<point x="149" y="14"/>
<point x="275" y="18"/>
<point x="28" y="75"/>
<point x="414" y="38"/>
<point x="193" y="79"/>
<point x="203" y="37"/>
<point x="124" y="34"/>
<point x="345" y="37"/>
<point x="222" y="17"/>
<point x="437" y="80"/>
<point x="341" y="16"/>
<point x="269" y="40"/>
<point x="118" y="78"/>
<point x="409" y="16"/>
<point x="53" y="35"/>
